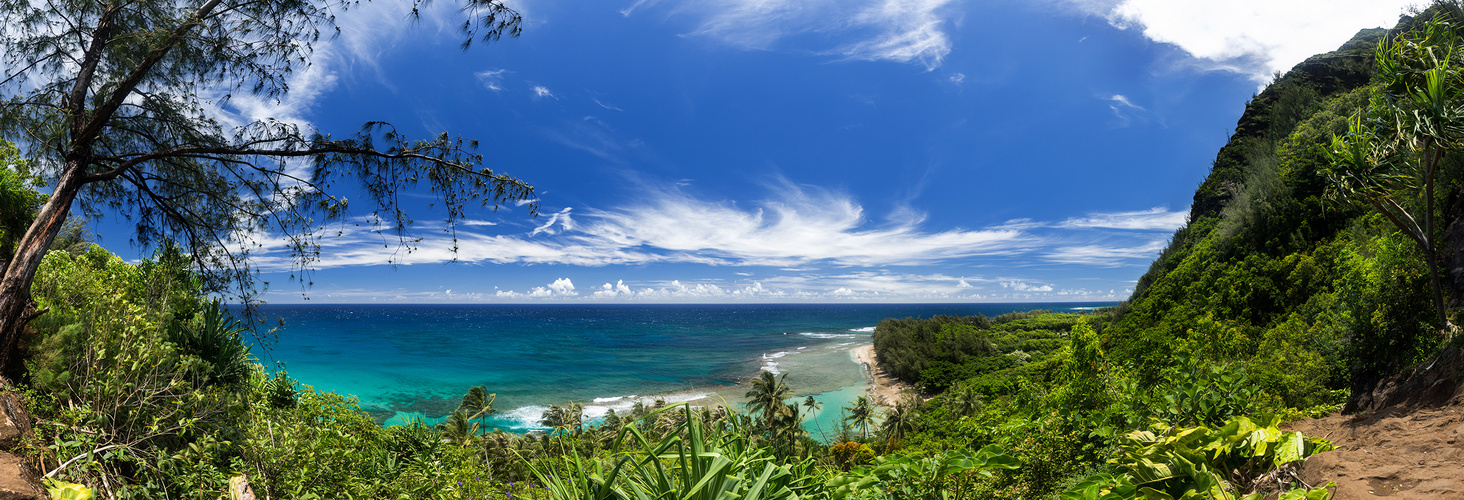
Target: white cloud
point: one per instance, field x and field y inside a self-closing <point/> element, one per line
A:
<point x="1252" y="37"/>
<point x="798" y="229"/>
<point x="1124" y="109"/>
<point x="1022" y="286"/>
<point x="561" y="218"/>
<point x="491" y="79"/>
<point x="1124" y="101"/>
<point x="618" y="289"/>
<point x="561" y="288"/>
<point x="1104" y="256"/>
<point x="957" y="78"/>
<point x="1154" y="219"/>
<point x="880" y="30"/>
<point x="798" y="226"/>
<point x="541" y="91"/>
<point x="606" y="106"/>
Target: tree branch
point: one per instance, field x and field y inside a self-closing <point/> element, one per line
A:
<point x="103" y="113"/>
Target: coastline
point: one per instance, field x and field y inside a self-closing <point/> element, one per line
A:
<point x="884" y="389"/>
<point x="871" y="381"/>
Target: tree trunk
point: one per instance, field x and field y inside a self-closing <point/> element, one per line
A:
<point x="16" y="307"/>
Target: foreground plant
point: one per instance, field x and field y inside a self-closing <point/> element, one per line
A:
<point x="694" y="462"/>
<point x="1168" y="462"/>
<point x="943" y="476"/>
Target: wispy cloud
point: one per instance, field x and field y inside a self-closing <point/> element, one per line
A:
<point x="541" y="92"/>
<point x="1121" y="100"/>
<point x="1251" y="37"/>
<point x="606" y="106"/>
<point x="1154" y="219"/>
<point x="796" y="228"/>
<point x="491" y="79"/>
<point x="1124" y="109"/>
<point x="1104" y="256"/>
<point x="873" y="30"/>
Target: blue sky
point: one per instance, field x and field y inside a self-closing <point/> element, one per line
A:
<point x="784" y="151"/>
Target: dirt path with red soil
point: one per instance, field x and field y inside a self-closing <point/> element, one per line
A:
<point x="1399" y="453"/>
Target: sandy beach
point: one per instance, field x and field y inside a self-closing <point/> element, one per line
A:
<point x="885" y="389"/>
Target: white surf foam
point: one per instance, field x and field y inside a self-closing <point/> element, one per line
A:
<point x="828" y="335"/>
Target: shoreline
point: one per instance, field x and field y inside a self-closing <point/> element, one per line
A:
<point x="876" y="384"/>
<point x="884" y="389"/>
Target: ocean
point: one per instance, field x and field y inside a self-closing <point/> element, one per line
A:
<point x="414" y="362"/>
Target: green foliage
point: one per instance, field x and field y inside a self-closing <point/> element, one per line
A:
<point x="941" y="476"/>
<point x="944" y="350"/>
<point x="214" y="337"/>
<point x="691" y="463"/>
<point x="1173" y="462"/>
<point x="1195" y="393"/>
<point x="18" y="200"/>
<point x="850" y="454"/>
<point x="61" y="490"/>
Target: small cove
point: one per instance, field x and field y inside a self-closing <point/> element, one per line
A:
<point x="413" y="362"/>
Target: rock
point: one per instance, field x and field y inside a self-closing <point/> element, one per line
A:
<point x="17" y="481"/>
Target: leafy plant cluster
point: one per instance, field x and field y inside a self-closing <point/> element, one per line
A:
<point x="944" y="350"/>
<point x="1170" y="462"/>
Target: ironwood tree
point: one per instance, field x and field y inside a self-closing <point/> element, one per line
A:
<point x="116" y="105"/>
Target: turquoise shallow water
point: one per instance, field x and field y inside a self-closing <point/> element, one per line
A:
<point x="409" y="362"/>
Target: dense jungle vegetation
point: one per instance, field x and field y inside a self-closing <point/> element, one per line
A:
<point x="1288" y="292"/>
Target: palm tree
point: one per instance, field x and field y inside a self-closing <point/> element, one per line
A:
<point x="767" y="396"/>
<point x="861" y="415"/>
<point x="457" y="429"/>
<point x="964" y="400"/>
<point x="813" y="406"/>
<point x="568" y="418"/>
<point x="901" y="419"/>
<point x="478" y="403"/>
<point x="788" y="427"/>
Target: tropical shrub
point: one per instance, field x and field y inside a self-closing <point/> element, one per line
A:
<point x="691" y="462"/>
<point x="1174" y="462"/>
<point x="938" y="477"/>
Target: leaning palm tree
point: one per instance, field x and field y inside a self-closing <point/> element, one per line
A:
<point x="813" y="406"/>
<point x="861" y="415"/>
<point x="569" y="418"/>
<point x="767" y="396"/>
<point x="479" y="404"/>
<point x="457" y="429"/>
<point x="901" y="419"/>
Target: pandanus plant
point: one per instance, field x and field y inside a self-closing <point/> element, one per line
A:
<point x="1393" y="151"/>
<point x="697" y="462"/>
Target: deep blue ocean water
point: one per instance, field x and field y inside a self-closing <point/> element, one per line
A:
<point x="414" y="362"/>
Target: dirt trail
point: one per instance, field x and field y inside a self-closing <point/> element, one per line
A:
<point x="1404" y="438"/>
<point x="1415" y="452"/>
